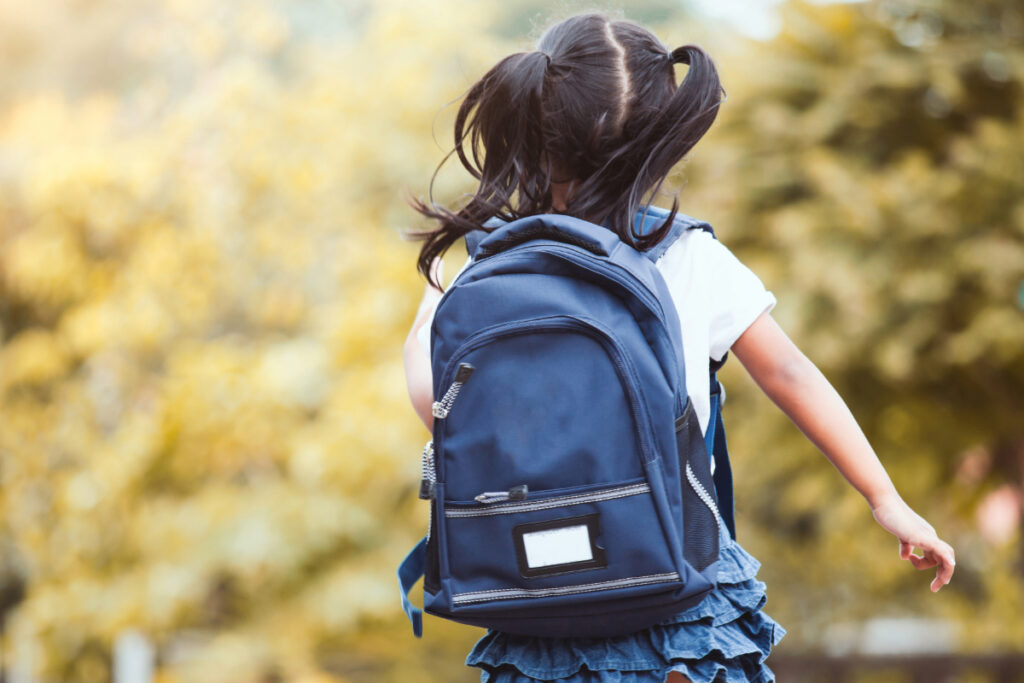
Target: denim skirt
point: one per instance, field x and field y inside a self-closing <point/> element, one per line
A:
<point x="726" y="637"/>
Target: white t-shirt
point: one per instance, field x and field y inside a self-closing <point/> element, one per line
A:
<point x="717" y="298"/>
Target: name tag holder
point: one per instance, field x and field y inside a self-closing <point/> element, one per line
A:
<point x="559" y="546"/>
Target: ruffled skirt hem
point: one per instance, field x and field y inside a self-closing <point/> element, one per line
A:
<point x="726" y="637"/>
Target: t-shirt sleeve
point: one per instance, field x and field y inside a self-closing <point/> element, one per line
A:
<point x="423" y="334"/>
<point x="739" y="298"/>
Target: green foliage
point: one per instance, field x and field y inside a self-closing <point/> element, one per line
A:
<point x="868" y="168"/>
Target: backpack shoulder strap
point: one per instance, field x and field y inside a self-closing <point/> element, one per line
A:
<point x="655" y="215"/>
<point x="715" y="434"/>
<point x="717" y="446"/>
<point x="475" y="237"/>
<point x="409" y="572"/>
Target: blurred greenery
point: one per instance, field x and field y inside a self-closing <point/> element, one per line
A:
<point x="870" y="171"/>
<point x="204" y="430"/>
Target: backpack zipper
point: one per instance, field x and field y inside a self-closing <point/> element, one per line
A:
<point x="600" y="266"/>
<point x="595" y="264"/>
<point x="624" y="369"/>
<point x="429" y="480"/>
<point x="703" y="494"/>
<point x="508" y="508"/>
<point x="440" y="409"/>
<point x="514" y="493"/>
<point x="516" y="593"/>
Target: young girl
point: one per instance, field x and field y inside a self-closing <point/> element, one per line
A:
<point x="587" y="125"/>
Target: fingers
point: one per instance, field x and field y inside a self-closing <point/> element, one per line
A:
<point x="940" y="554"/>
<point x="947" y="561"/>
<point x="913" y="531"/>
<point x="923" y="562"/>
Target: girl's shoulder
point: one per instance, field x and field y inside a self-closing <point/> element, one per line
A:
<point x="691" y="250"/>
<point x="699" y="266"/>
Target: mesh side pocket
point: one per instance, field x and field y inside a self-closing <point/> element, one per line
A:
<point x="700" y="506"/>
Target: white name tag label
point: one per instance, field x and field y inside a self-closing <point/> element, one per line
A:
<point x="557" y="546"/>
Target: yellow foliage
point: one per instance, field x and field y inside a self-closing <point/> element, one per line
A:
<point x="35" y="356"/>
<point x="204" y="291"/>
<point x="204" y="427"/>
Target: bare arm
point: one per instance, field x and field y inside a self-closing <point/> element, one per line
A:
<point x="801" y="391"/>
<point x="418" y="378"/>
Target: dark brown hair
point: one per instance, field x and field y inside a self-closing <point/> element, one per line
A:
<point x="596" y="103"/>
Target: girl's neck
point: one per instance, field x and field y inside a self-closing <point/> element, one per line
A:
<point x="560" y="193"/>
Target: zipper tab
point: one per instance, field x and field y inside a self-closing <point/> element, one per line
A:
<point x="463" y="373"/>
<point x="514" y="493"/>
<point x="440" y="409"/>
<point x="429" y="479"/>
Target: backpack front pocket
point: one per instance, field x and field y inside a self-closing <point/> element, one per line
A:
<point x="575" y="406"/>
<point x="565" y="545"/>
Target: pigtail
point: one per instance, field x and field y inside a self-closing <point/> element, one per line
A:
<point x="665" y="123"/>
<point x="685" y="119"/>
<point x="501" y="121"/>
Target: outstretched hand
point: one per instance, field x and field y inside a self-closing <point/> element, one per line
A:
<point x="913" y="531"/>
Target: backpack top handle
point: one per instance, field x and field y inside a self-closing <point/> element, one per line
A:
<point x="552" y="226"/>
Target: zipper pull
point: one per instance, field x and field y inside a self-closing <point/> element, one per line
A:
<point x="441" y="408"/>
<point x="514" y="493"/>
<point x="429" y="473"/>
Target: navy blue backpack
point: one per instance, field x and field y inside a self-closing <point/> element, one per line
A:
<point x="569" y="483"/>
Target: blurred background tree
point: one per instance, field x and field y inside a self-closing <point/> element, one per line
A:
<point x="869" y="169"/>
<point x="204" y="432"/>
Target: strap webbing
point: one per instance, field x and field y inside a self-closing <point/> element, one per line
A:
<point x="719" y="449"/>
<point x="409" y="572"/>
